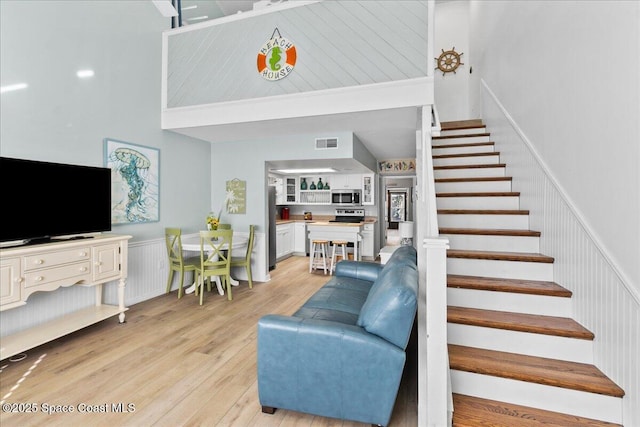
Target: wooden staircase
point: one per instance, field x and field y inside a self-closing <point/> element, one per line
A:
<point x="517" y="356"/>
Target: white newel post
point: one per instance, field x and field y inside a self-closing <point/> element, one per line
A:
<point x="433" y="341"/>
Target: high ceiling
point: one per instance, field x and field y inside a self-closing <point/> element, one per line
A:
<point x="387" y="134"/>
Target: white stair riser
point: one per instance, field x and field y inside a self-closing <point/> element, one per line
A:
<point x="589" y="405"/>
<point x="491" y="202"/>
<point x="470" y="172"/>
<point x="472" y="131"/>
<point x="461" y="139"/>
<point x="552" y="347"/>
<point x="473" y="242"/>
<point x="467" y="160"/>
<point x="501" y="269"/>
<point x="441" y="150"/>
<point x="543" y="305"/>
<point x="485" y="221"/>
<point x="473" y="186"/>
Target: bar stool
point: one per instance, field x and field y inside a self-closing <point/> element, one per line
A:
<point x="318" y="257"/>
<point x="342" y="245"/>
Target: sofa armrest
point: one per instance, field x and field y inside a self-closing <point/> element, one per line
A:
<point x="363" y="270"/>
<point x="327" y="368"/>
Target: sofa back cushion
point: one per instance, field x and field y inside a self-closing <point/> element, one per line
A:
<point x="391" y="305"/>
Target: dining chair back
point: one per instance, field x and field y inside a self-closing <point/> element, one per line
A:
<point x="224" y="226"/>
<point x="177" y="262"/>
<point x="245" y="261"/>
<point x="215" y="260"/>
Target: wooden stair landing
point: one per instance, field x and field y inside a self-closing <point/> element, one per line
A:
<point x="517" y="286"/>
<point x="521" y="322"/>
<point x="533" y="369"/>
<point x="476" y="412"/>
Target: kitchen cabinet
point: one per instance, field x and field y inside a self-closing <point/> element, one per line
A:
<point x="349" y="181"/>
<point x="300" y="238"/>
<point x="368" y="241"/>
<point x="290" y="189"/>
<point x="368" y="189"/>
<point x="284" y="240"/>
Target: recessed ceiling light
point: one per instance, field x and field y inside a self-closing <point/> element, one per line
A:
<point x="198" y="18"/>
<point x="84" y="74"/>
<point x="311" y="170"/>
<point x="13" y="87"/>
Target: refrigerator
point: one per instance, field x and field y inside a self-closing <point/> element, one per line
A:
<point x="271" y="207"/>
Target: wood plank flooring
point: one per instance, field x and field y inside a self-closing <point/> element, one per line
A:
<point x="175" y="362"/>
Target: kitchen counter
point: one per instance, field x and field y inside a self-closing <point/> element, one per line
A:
<point x="324" y="220"/>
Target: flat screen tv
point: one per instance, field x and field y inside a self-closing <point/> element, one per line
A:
<point x="44" y="200"/>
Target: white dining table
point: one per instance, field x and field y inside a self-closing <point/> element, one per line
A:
<point x="192" y="244"/>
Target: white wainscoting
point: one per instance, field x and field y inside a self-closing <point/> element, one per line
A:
<point x="603" y="301"/>
<point x="147" y="278"/>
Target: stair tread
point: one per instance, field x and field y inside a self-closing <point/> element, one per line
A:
<point x="484" y="153"/>
<point x="481" y="194"/>
<point x="539" y="370"/>
<point x="465" y="135"/>
<point x="521" y="322"/>
<point x="461" y="124"/>
<point x="532" y="287"/>
<point x="469" y="411"/>
<point x="465" y="144"/>
<point x="500" y="256"/>
<point x="475" y="179"/>
<point x="490" y="232"/>
<point x="474" y="166"/>
<point x="484" y="211"/>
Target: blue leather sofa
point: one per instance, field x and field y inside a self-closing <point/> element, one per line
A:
<point x="342" y="354"/>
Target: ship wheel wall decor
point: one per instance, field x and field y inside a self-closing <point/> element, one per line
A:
<point x="449" y="61"/>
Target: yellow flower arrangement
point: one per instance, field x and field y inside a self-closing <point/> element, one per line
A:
<point x="213" y="220"/>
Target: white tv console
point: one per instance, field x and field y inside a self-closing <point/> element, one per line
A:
<point x="46" y="267"/>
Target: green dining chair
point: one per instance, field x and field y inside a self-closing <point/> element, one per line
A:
<point x="215" y="260"/>
<point x="245" y="261"/>
<point x="177" y="262"/>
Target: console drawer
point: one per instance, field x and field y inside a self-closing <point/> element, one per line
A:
<point x="78" y="271"/>
<point x="51" y="259"/>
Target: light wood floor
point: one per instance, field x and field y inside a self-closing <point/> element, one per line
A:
<point x="176" y="363"/>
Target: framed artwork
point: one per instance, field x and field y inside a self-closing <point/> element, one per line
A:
<point x="135" y="181"/>
<point x="236" y="196"/>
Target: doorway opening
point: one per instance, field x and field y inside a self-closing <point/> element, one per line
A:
<point x="398" y="207"/>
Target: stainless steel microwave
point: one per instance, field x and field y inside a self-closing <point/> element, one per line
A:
<point x="346" y="197"/>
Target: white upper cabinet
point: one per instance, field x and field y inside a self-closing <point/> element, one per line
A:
<point x="342" y="182"/>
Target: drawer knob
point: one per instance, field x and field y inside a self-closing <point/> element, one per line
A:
<point x="83" y="254"/>
<point x="83" y="268"/>
<point x="39" y="279"/>
<point x="38" y="261"/>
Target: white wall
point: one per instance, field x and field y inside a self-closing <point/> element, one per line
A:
<point x="567" y="73"/>
<point x="452" y="90"/>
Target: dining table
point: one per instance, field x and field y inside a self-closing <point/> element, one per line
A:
<point x="192" y="244"/>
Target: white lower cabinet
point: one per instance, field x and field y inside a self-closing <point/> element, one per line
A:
<point x="284" y="240"/>
<point x="300" y="238"/>
<point x="367" y="241"/>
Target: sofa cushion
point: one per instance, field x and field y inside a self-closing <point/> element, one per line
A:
<point x="390" y="308"/>
<point x="345" y="282"/>
<point x="327" y="314"/>
<point x="333" y="298"/>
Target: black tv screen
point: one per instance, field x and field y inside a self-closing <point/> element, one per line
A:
<point x="42" y="200"/>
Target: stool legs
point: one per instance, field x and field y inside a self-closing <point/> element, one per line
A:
<point x="343" y="247"/>
<point x="318" y="256"/>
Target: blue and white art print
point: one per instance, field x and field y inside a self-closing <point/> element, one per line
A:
<point x="135" y="186"/>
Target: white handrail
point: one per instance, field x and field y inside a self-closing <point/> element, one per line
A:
<point x="434" y="389"/>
